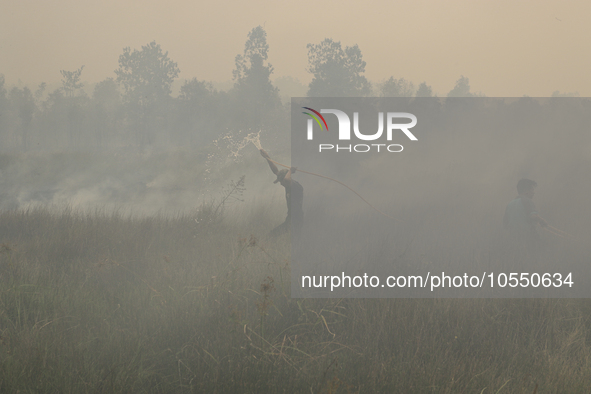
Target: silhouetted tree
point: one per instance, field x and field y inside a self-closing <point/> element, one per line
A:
<point x="424" y="90"/>
<point x="71" y="81"/>
<point x="107" y="93"/>
<point x="461" y="89"/>
<point x="337" y="72"/>
<point x="106" y="102"/>
<point x="397" y="88"/>
<point x="55" y="119"/>
<point x="3" y="109"/>
<point x="201" y="112"/>
<point x="146" y="77"/>
<point x="2" y="90"/>
<point x="255" y="96"/>
<point x="23" y="105"/>
<point x="290" y="87"/>
<point x="39" y="92"/>
<point x="75" y="100"/>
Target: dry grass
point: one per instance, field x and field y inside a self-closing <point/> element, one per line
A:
<point x="109" y="303"/>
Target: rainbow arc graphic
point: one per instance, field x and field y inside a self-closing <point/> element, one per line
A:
<point x="315" y="116"/>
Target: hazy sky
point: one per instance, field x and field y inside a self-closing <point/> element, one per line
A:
<point x="505" y="47"/>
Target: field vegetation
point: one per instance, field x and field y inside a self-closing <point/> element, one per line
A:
<point x="105" y="302"/>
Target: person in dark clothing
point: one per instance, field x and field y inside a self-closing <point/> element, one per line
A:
<point x="521" y="220"/>
<point x="294" y="194"/>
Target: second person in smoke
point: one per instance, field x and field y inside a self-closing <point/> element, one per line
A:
<point x="294" y="194"/>
<point x="522" y="220"/>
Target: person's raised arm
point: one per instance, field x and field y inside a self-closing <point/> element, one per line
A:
<point x="271" y="164"/>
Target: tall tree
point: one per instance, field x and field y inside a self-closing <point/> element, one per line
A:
<point x="71" y="81"/>
<point x="39" y="92"/>
<point x="337" y="72"/>
<point x="251" y="62"/>
<point x="106" y="100"/>
<point x="146" y="76"/>
<point x="461" y="88"/>
<point x="424" y="90"/>
<point x="256" y="99"/>
<point x="201" y="112"/>
<point x="2" y="89"/>
<point x="23" y="104"/>
<point x="397" y="88"/>
<point x="3" y="111"/>
<point x="75" y="99"/>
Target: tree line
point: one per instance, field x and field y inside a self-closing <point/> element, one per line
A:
<point x="135" y="108"/>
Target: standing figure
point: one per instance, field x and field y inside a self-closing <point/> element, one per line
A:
<point x="521" y="221"/>
<point x="294" y="194"/>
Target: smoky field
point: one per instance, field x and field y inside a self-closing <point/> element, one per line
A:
<point x="136" y="212"/>
<point x="153" y="271"/>
<point x="107" y="301"/>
